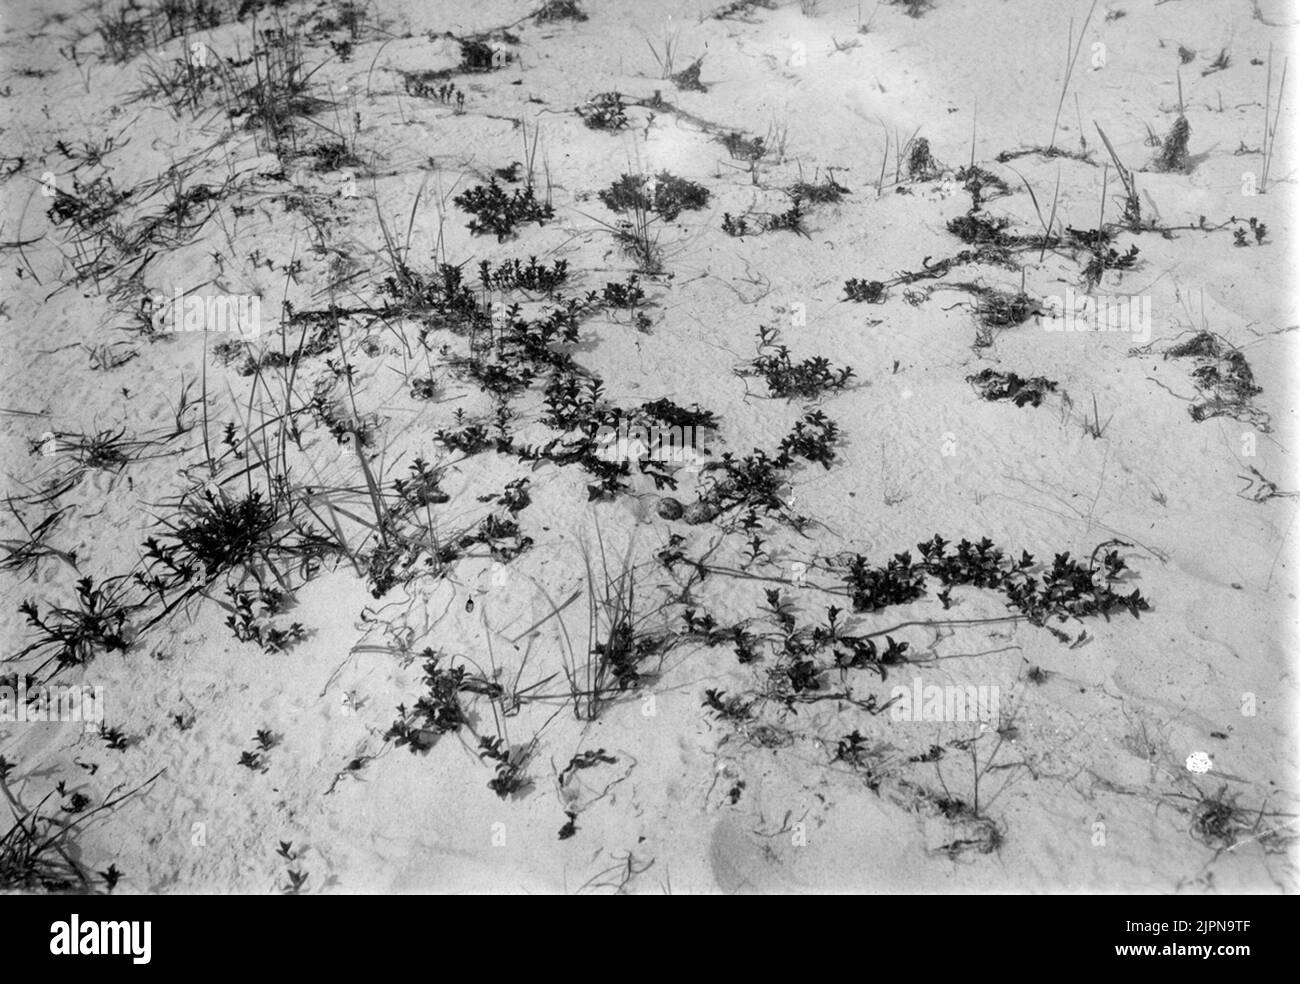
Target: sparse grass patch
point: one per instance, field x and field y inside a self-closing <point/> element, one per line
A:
<point x="39" y="852"/>
<point x="271" y="90"/>
<point x="72" y="636"/>
<point x="1270" y="128"/>
<point x="619" y="641"/>
<point x="1071" y="57"/>
<point x="333" y="156"/>
<point x="818" y="192"/>
<point x="124" y="31"/>
<point x="214" y="535"/>
<point x="23" y="555"/>
<point x="1220" y="823"/>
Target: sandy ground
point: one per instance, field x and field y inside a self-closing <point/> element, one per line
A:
<point x="1087" y="778"/>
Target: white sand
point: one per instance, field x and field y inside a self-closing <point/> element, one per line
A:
<point x="1086" y="783"/>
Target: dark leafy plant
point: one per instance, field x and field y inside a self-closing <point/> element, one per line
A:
<point x="502" y="536"/>
<point x="1108" y="258"/>
<point x="813" y="438"/>
<point x="1222" y="375"/>
<point x="1173" y="154"/>
<point x="1005" y="309"/>
<point x="744" y="148"/>
<point x="668" y="195"/>
<point x="734" y="708"/>
<point x="533" y="276"/>
<point x="785" y="378"/>
<point x="913" y="8"/>
<point x="249" y="625"/>
<point x="627" y="294"/>
<point x="437" y="712"/>
<point x="605" y="111"/>
<point x="514" y="497"/>
<point x="852" y="748"/>
<point x="424" y="388"/>
<point x="803" y="675"/>
<point x="467" y="438"/>
<point x="557" y="10"/>
<point x="114" y="738"/>
<point x="688" y="79"/>
<point x="498" y="213"/>
<point x="733" y="226"/>
<point x="510" y="763"/>
<point x="1066" y="589"/>
<point x="973" y="227"/>
<point x="753" y="481"/>
<point x="993" y="384"/>
<point x="873" y="588"/>
<point x="977" y="181"/>
<point x="921" y="165"/>
<point x="422" y="487"/>
<point x="871" y="291"/>
<point x="739" y="9"/>
<point x="791" y="220"/>
<point x="335" y="155"/>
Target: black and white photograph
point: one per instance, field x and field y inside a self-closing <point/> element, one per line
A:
<point x="643" y="447"/>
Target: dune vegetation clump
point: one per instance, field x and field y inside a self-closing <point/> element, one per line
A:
<point x="1173" y="154"/>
